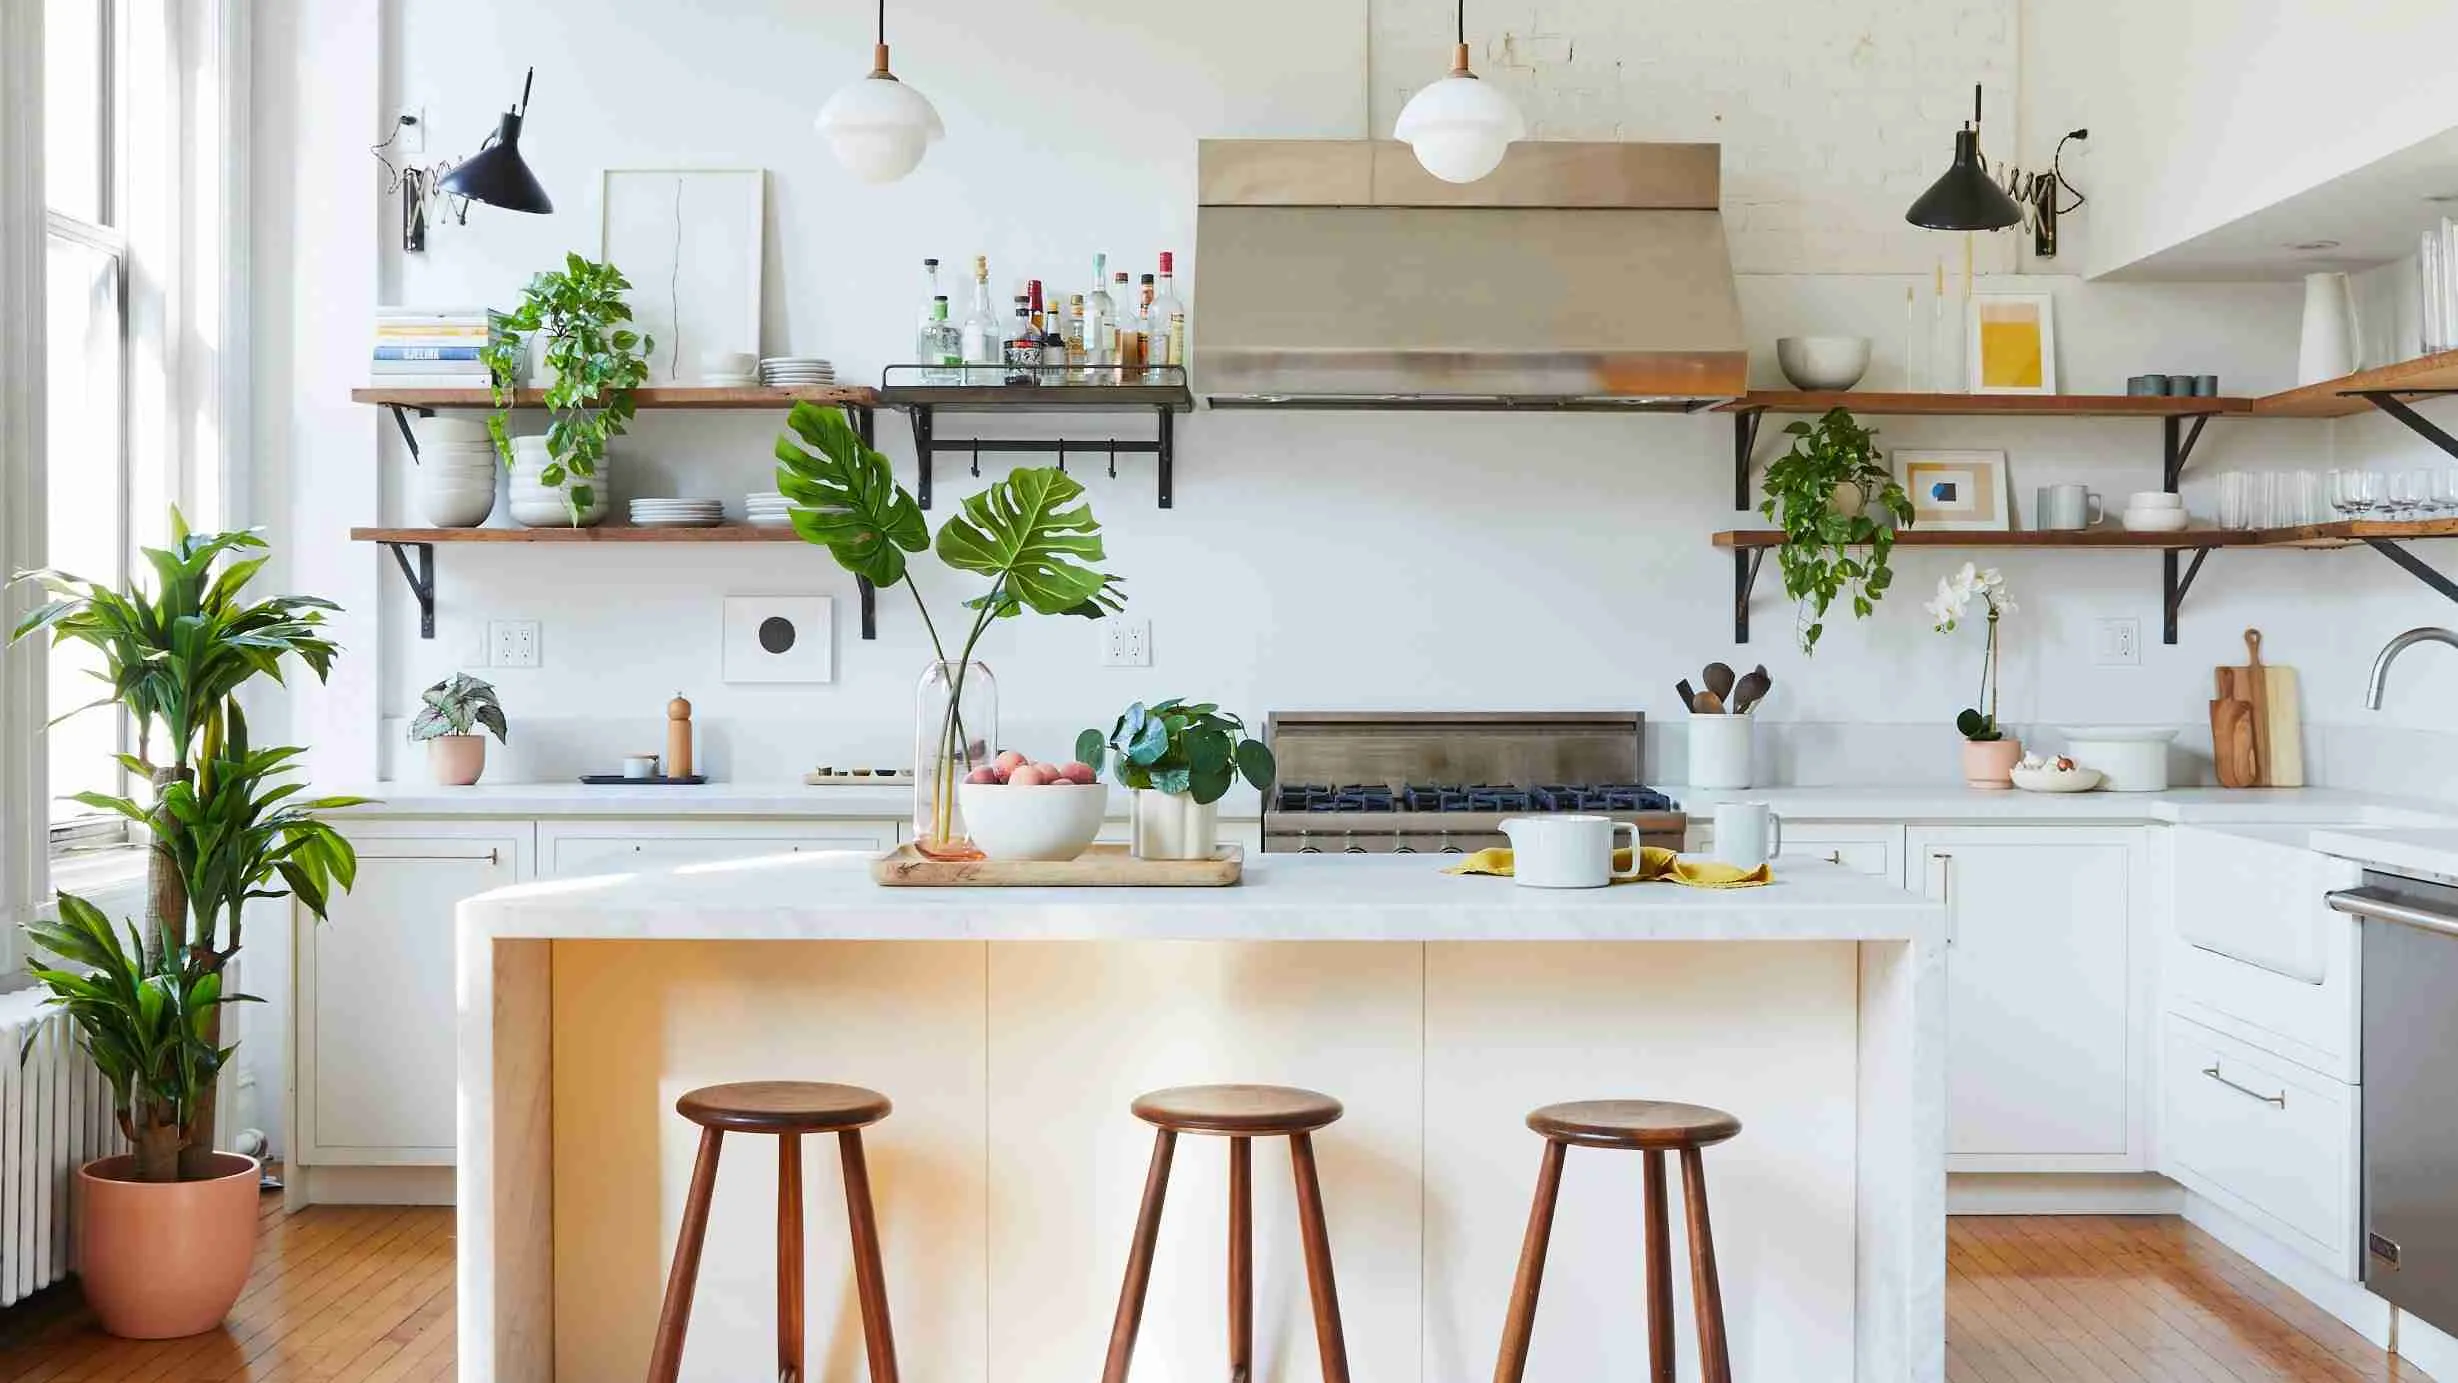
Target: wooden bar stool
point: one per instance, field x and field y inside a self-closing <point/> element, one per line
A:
<point x="1241" y="1113"/>
<point x="1654" y="1128"/>
<point x="787" y="1109"/>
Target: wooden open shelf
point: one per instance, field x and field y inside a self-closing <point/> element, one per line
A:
<point x="2307" y="535"/>
<point x="603" y="533"/>
<point x="660" y="396"/>
<point x="2344" y="397"/>
<point x="1983" y="405"/>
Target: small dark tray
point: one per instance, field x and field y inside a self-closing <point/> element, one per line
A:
<point x="617" y="780"/>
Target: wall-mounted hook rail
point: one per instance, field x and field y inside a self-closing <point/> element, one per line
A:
<point x="1058" y="390"/>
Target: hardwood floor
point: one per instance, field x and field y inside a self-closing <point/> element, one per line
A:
<point x="364" y="1295"/>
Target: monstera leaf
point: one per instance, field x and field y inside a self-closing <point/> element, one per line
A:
<point x="846" y="499"/>
<point x="1024" y="535"/>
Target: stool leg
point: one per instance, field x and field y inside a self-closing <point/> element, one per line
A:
<point x="870" y="1281"/>
<point x="789" y="1258"/>
<point x="1327" y="1336"/>
<point x="1520" y="1322"/>
<point x="1241" y="1259"/>
<point x="1714" y="1360"/>
<point x="1659" y="1272"/>
<point x="1130" y="1316"/>
<point x="666" y="1356"/>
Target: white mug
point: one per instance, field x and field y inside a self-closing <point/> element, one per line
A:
<point x="640" y="765"/>
<point x="1568" y="851"/>
<point x="2064" y="508"/>
<point x="1747" y="834"/>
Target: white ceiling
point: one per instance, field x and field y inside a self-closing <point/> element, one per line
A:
<point x="2376" y="214"/>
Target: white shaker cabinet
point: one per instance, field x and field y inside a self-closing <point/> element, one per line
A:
<point x="373" y="1082"/>
<point x="578" y="848"/>
<point x="2048" y="1001"/>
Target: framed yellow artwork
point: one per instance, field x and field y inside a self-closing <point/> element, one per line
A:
<point x="2013" y="344"/>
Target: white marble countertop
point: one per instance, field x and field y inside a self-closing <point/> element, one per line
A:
<point x="707" y="799"/>
<point x="2430" y="851"/>
<point x="1283" y="898"/>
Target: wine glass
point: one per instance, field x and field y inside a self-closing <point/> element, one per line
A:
<point x="2347" y="494"/>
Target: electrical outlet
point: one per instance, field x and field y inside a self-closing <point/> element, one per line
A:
<point x="1126" y="642"/>
<point x="512" y="643"/>
<point x="2116" y="643"/>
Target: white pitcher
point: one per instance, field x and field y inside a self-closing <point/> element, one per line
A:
<point x="2331" y="332"/>
<point x="1568" y="851"/>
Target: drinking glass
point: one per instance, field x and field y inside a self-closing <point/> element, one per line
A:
<point x="2304" y="499"/>
<point x="2408" y="492"/>
<point x="2233" y="502"/>
<point x="2445" y="493"/>
<point x="2261" y="500"/>
<point x="2343" y="494"/>
<point x="2368" y="492"/>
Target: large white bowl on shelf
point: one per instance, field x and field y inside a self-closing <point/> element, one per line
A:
<point x="2130" y="758"/>
<point x="2156" y="520"/>
<point x="1822" y="362"/>
<point x="1047" y="821"/>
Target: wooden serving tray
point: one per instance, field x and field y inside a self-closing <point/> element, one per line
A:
<point x="1100" y="866"/>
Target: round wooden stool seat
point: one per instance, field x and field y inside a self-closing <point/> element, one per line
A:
<point x="1634" y="1124"/>
<point x="1263" y="1111"/>
<point x="783" y="1106"/>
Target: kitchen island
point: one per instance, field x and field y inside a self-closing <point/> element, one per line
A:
<point x="1012" y="1028"/>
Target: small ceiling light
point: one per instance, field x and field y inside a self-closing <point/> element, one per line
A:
<point x="2442" y="198"/>
<point x="879" y="128"/>
<point x="1460" y="127"/>
<point x="496" y="174"/>
<point x="1965" y="198"/>
<point x="2312" y="246"/>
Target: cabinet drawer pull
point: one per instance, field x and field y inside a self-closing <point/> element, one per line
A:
<point x="491" y="857"/>
<point x="1945" y="879"/>
<point x="2279" y="1099"/>
<point x="1834" y="857"/>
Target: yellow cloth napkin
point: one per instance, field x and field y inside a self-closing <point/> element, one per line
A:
<point x="1656" y="865"/>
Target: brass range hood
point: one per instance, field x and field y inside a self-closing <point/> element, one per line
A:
<point x="1340" y="274"/>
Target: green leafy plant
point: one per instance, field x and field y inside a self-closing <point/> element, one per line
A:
<point x="1947" y="608"/>
<point x="1027" y="533"/>
<point x="595" y="361"/>
<point x="1177" y="747"/>
<point x="224" y="829"/>
<point x="458" y="705"/>
<point x="1818" y="557"/>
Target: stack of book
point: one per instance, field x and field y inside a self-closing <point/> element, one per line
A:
<point x="435" y="347"/>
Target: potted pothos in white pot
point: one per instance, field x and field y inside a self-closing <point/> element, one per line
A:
<point x="1820" y="491"/>
<point x="453" y="712"/>
<point x="1180" y="759"/>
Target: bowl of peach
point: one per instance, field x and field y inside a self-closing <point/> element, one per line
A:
<point x="1017" y="808"/>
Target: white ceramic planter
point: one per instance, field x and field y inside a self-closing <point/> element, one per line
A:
<point x="536" y="505"/>
<point x="1719" y="751"/>
<point x="1173" y="826"/>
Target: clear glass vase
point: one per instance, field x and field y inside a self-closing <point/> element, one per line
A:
<point x="955" y="730"/>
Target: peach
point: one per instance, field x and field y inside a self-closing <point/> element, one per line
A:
<point x="1009" y="761"/>
<point x="1076" y="771"/>
<point x="1026" y="776"/>
<point x="984" y="774"/>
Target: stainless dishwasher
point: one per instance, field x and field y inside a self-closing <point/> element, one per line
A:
<point x="2410" y="1075"/>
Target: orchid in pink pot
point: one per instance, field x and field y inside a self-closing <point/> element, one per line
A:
<point x="1989" y="754"/>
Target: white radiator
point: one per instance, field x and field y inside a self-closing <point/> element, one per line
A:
<point x="55" y="1116"/>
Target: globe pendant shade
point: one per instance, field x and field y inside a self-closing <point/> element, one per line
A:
<point x="1460" y="128"/>
<point x="879" y="128"/>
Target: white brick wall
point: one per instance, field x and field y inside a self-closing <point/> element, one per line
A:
<point x="1833" y="118"/>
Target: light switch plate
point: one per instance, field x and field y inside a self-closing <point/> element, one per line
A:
<point x="512" y="643"/>
<point x="2116" y="643"/>
<point x="1126" y="641"/>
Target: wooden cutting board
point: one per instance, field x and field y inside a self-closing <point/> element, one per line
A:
<point x="2276" y="708"/>
<point x="1100" y="866"/>
<point x="2233" y="749"/>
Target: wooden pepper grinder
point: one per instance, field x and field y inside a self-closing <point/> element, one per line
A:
<point x="678" y="737"/>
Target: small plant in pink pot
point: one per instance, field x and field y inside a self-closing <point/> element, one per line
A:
<point x="1989" y="754"/>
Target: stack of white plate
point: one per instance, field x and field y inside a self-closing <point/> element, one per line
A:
<point x="677" y="513"/>
<point x="796" y="371"/>
<point x="769" y="510"/>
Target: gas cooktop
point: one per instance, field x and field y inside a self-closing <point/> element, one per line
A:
<point x="1469" y="797"/>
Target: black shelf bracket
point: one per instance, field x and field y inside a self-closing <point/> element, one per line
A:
<point x="870" y="606"/>
<point x="422" y="581"/>
<point x="1746" y="562"/>
<point x="2176" y="578"/>
<point x="2413" y="421"/>
<point x="2414" y="566"/>
<point x="1745" y="448"/>
<point x="401" y="419"/>
<point x="2176" y="447"/>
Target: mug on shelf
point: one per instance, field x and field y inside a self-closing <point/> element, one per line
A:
<point x="2066" y="508"/>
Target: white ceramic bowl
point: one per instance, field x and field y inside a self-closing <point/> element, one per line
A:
<point x="2076" y="779"/>
<point x="2130" y="758"/>
<point x="2156" y="520"/>
<point x="2154" y="499"/>
<point x="1822" y="362"/>
<point x="1048" y="821"/>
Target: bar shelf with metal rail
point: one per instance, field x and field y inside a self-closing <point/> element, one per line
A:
<point x="1055" y="390"/>
<point x="860" y="405"/>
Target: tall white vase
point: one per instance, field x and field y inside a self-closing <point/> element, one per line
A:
<point x="1173" y="826"/>
<point x="2328" y="348"/>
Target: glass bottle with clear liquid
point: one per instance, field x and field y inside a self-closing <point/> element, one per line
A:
<point x="1100" y="326"/>
<point x="1168" y="322"/>
<point x="984" y="335"/>
<point x="940" y="346"/>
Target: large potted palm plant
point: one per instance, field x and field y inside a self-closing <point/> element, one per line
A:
<point x="168" y="1227"/>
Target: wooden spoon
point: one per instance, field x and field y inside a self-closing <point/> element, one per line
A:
<point x="1689" y="694"/>
<point x="1719" y="679"/>
<point x="1752" y="686"/>
<point x="1709" y="704"/>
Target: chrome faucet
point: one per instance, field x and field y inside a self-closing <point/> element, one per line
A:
<point x="2389" y="655"/>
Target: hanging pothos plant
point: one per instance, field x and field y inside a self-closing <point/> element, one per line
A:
<point x="594" y="361"/>
<point x="1821" y="492"/>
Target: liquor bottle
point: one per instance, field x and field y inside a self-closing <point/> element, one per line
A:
<point x="1032" y="296"/>
<point x="983" y="336"/>
<point x="1130" y="352"/>
<point x="1153" y="328"/>
<point x="941" y="346"/>
<point x="1076" y="354"/>
<point x="1053" y="342"/>
<point x="1168" y="317"/>
<point x="931" y="292"/>
<point x="1023" y="347"/>
<point x="1100" y="326"/>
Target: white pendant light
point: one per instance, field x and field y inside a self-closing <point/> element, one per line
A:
<point x="1459" y="126"/>
<point x="879" y="128"/>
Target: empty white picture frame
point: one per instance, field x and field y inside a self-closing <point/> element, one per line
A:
<point x="780" y="638"/>
<point x="690" y="240"/>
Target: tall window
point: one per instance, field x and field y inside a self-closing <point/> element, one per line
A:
<point x="86" y="465"/>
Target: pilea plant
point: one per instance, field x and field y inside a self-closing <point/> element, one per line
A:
<point x="594" y="362"/>
<point x="1831" y="458"/>
<point x="1176" y="747"/>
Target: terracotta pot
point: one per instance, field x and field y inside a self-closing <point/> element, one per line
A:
<point x="165" y="1259"/>
<point x="456" y="760"/>
<point x="1990" y="763"/>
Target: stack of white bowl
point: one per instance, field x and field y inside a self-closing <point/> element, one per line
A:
<point x="677" y="513"/>
<point x="2155" y="511"/>
<point x="796" y="372"/>
<point x="536" y="505"/>
<point x="456" y="472"/>
<point x="768" y="509"/>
